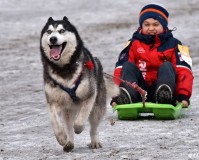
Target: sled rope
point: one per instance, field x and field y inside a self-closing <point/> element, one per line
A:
<point x="134" y="85"/>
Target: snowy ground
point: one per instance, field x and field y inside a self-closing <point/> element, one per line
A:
<point x="105" y="26"/>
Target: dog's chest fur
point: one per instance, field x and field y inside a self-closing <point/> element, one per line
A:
<point x="58" y="95"/>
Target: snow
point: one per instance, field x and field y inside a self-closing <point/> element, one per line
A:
<point x="105" y="27"/>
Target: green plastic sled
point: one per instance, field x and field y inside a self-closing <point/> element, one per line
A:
<point x="158" y="111"/>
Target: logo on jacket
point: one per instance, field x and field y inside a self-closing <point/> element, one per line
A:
<point x="141" y="50"/>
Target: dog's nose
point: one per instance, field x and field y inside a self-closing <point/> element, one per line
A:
<point x="53" y="40"/>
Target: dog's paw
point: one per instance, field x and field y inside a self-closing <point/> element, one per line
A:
<point x="61" y="139"/>
<point x="62" y="142"/>
<point x="95" y="145"/>
<point x="68" y="146"/>
<point x="78" y="128"/>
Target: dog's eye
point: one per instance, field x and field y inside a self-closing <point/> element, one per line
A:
<point x="49" y="31"/>
<point x="61" y="31"/>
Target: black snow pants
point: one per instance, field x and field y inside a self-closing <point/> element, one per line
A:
<point x="166" y="75"/>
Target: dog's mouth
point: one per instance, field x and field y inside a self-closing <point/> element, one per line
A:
<point x="56" y="51"/>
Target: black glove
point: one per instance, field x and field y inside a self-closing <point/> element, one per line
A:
<point x="182" y="97"/>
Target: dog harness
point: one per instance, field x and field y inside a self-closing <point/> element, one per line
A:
<point x="72" y="91"/>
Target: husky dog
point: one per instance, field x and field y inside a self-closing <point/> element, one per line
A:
<point x="75" y="87"/>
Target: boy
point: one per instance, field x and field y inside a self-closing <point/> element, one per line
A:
<point x="156" y="61"/>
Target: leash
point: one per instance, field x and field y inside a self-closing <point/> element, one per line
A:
<point x="134" y="85"/>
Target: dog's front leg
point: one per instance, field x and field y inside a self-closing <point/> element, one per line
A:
<point x="69" y="118"/>
<point x="55" y="115"/>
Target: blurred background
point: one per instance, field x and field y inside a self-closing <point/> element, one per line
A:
<point x="104" y="26"/>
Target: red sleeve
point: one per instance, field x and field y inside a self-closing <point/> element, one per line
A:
<point x="184" y="76"/>
<point x="117" y="74"/>
<point x="184" y="81"/>
<point x="124" y="56"/>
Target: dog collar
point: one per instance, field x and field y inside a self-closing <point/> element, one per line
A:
<point x="89" y="64"/>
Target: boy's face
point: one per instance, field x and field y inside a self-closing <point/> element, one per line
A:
<point x="152" y="27"/>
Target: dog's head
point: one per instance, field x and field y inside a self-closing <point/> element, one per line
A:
<point x="59" y="41"/>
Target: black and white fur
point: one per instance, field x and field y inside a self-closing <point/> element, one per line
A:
<point x="66" y="61"/>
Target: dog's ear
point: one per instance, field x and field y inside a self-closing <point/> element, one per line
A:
<point x="50" y="19"/>
<point x="65" y="18"/>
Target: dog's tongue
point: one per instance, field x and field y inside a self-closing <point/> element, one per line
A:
<point x="55" y="52"/>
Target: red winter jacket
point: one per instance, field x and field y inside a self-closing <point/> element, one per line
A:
<point x="148" y="52"/>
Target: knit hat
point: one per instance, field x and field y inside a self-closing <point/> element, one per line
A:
<point x="154" y="11"/>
